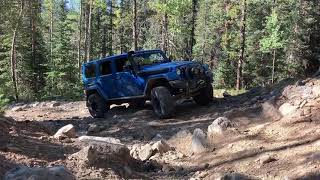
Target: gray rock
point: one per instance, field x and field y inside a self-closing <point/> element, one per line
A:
<point x="219" y="125"/>
<point x="161" y="147"/>
<point x="51" y="173"/>
<point x="106" y="156"/>
<point x="66" y="131"/>
<point x="17" y="108"/>
<point x="97" y="139"/>
<point x="287" y="109"/>
<point x="87" y="155"/>
<point x="199" y="141"/>
<point x="55" y="104"/>
<point x="233" y="176"/>
<point x="226" y="94"/>
<point x="316" y="91"/>
<point x="145" y="152"/>
<point x="266" y="159"/>
<point x="93" y="128"/>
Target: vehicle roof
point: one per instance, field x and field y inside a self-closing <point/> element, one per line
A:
<point x="110" y="58"/>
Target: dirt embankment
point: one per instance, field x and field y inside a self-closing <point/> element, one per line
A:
<point x="266" y="133"/>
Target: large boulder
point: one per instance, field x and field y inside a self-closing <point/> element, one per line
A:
<point x="270" y="111"/>
<point x="219" y="125"/>
<point x="51" y="173"/>
<point x="199" y="142"/>
<point x="287" y="109"/>
<point x="86" y="156"/>
<point x="316" y="91"/>
<point x="107" y="155"/>
<point x="66" y="131"/>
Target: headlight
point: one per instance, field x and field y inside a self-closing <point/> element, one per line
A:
<point x="178" y="71"/>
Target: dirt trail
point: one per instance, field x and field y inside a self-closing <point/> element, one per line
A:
<point x="264" y="143"/>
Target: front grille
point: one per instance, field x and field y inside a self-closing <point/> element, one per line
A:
<point x="193" y="72"/>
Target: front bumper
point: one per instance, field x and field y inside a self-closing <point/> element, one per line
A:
<point x="188" y="87"/>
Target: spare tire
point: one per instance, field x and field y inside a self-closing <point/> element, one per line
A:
<point x="162" y="102"/>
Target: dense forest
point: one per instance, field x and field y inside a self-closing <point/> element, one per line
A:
<point x="247" y="43"/>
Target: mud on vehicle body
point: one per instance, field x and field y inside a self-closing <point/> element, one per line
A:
<point x="136" y="77"/>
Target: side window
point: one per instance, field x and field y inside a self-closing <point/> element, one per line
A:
<point x="121" y="63"/>
<point x="90" y="71"/>
<point x="105" y="68"/>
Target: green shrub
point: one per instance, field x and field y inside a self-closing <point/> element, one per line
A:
<point x="3" y="102"/>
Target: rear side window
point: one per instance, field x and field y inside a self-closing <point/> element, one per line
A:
<point x="121" y="63"/>
<point x="105" y="68"/>
<point x="90" y="71"/>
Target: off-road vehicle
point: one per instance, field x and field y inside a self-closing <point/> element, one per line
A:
<point x="136" y="77"/>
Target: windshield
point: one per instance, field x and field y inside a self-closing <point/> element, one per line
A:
<point x="146" y="59"/>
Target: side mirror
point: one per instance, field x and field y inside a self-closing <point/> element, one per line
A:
<point x="170" y="58"/>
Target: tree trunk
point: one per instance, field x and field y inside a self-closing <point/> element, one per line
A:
<point x="98" y="19"/>
<point x="193" y="26"/>
<point x="111" y="28"/>
<point x="243" y="43"/>
<point x="134" y="26"/>
<point x="86" y="33"/>
<point x="13" y="54"/>
<point x="79" y="38"/>
<point x="104" y="41"/>
<point x="273" y="65"/>
<point x="34" y="14"/>
<point x="121" y="29"/>
<point x="89" y="31"/>
<point x="164" y="43"/>
<point x="51" y="31"/>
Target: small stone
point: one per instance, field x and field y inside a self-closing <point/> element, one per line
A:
<point x="199" y="142"/>
<point x="226" y="94"/>
<point x="68" y="131"/>
<point x="166" y="168"/>
<point x="93" y="128"/>
<point x="266" y="159"/>
<point x="145" y="152"/>
<point x="161" y="147"/>
<point x="219" y="125"/>
<point x="55" y="104"/>
<point x="17" y="108"/>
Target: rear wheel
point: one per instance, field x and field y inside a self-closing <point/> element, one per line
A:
<point x="97" y="106"/>
<point x="205" y="96"/>
<point x="162" y="102"/>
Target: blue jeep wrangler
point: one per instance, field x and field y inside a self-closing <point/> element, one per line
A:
<point x="135" y="77"/>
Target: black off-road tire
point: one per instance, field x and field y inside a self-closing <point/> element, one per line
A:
<point x="97" y="106"/>
<point x="162" y="102"/>
<point x="205" y="96"/>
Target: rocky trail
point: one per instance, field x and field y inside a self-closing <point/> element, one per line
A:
<point x="266" y="133"/>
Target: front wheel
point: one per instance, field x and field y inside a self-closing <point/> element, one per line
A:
<point x="97" y="106"/>
<point x="162" y="102"/>
<point x="205" y="96"/>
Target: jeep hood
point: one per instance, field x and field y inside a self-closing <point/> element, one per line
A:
<point x="168" y="65"/>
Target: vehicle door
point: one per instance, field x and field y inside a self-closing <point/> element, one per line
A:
<point x="128" y="84"/>
<point x="106" y="79"/>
